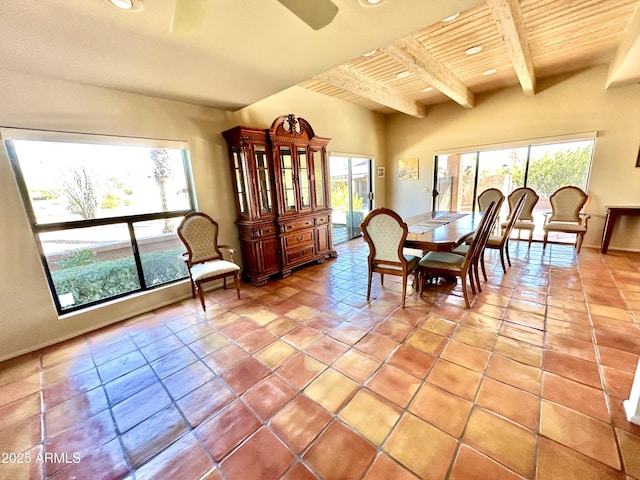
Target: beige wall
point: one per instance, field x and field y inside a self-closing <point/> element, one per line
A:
<point x="569" y="104"/>
<point x="28" y="318"/>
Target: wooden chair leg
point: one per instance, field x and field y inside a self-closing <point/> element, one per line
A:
<point x="544" y="241"/>
<point x="579" y="242"/>
<point x="504" y="266"/>
<point x="465" y="292"/>
<point x="404" y="289"/>
<point x="236" y="280"/>
<point x="369" y="284"/>
<point x="484" y="268"/>
<point x="506" y="251"/>
<point x="530" y="237"/>
<point x="201" y="295"/>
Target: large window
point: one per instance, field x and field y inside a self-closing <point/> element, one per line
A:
<point x="543" y="166"/>
<point x="104" y="211"/>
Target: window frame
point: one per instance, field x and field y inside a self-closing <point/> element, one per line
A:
<point x="8" y="135"/>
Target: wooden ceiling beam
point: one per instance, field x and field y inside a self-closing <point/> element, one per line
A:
<point x="414" y="57"/>
<point x="345" y="78"/>
<point x="508" y="17"/>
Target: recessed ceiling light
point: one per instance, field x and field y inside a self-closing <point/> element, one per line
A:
<point x="370" y="53"/>
<point x="473" y="50"/>
<point x="370" y="3"/>
<point x="129" y="5"/>
<point x="451" y="18"/>
<point x="491" y="71"/>
<point x="428" y="89"/>
<point x="404" y="74"/>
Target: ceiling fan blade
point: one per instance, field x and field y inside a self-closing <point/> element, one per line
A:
<point x="315" y="13"/>
<point x="187" y="15"/>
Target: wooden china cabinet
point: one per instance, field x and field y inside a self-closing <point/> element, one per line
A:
<point x="281" y="182"/>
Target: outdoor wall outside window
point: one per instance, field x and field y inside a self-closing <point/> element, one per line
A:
<point x="104" y="211"/>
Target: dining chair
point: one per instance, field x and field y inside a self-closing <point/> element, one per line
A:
<point x="199" y="233"/>
<point x="501" y="242"/>
<point x="566" y="205"/>
<point x="437" y="264"/>
<point x="487" y="196"/>
<point x="385" y="233"/>
<point x="525" y="220"/>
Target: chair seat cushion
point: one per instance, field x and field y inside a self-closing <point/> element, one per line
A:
<point x="524" y="225"/>
<point x="564" y="227"/>
<point x="461" y="249"/>
<point x="494" y="241"/>
<point x="201" y="271"/>
<point x="442" y="261"/>
<point x="412" y="261"/>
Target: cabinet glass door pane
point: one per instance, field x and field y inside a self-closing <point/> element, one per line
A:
<point x="264" y="182"/>
<point x="288" y="187"/>
<point x="318" y="178"/>
<point x="241" y="183"/>
<point x="303" y="178"/>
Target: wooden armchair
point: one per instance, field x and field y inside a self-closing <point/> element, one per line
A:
<point x="199" y="233"/>
<point x="525" y="219"/>
<point x="385" y="233"/>
<point x="566" y="205"/>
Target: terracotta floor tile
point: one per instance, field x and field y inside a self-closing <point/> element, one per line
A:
<point x="83" y="438"/>
<point x="393" y="329"/>
<point x="226" y="358"/>
<point x="299" y="472"/>
<point x="106" y="462"/>
<point x="412" y="361"/>
<point x="106" y="353"/>
<point x="468" y="356"/>
<point x="630" y="448"/>
<point x="161" y="348"/>
<point x="437" y="325"/>
<point x="244" y="375"/>
<point x="173" y="362"/>
<point x="20" y="367"/>
<point x="617" y="382"/>
<point x="618" y="359"/>
<point x="517" y="405"/>
<point x="356" y="454"/>
<point x="582" y="398"/>
<point x="573" y="368"/>
<point x="455" y="379"/>
<point x="140" y="406"/>
<point x="557" y="461"/>
<point x="301" y="369"/>
<point x="209" y="344"/>
<point x="568" y="329"/>
<point x="18" y="470"/>
<point x="370" y="415"/>
<point x="187" y="379"/>
<point x="473" y="465"/>
<point x="442" y="409"/>
<point x="427" y="342"/>
<point x="133" y="382"/>
<point x="302" y="336"/>
<point x="22" y="436"/>
<point x="223" y="432"/>
<point x="347" y="333"/>
<point x="376" y="345"/>
<point x="276" y="354"/>
<point x="503" y="441"/>
<point x="519" y="351"/>
<point x="385" y="468"/>
<point x="262" y="456"/>
<point x="186" y="458"/>
<point x="20" y="410"/>
<point x="475" y="337"/>
<point x="256" y="340"/>
<point x="300" y="422"/>
<point x="75" y="410"/>
<point x="268" y="396"/>
<point x="394" y="384"/>
<point x="326" y="349"/>
<point x="64" y="389"/>
<point x="481" y="322"/>
<point x="239" y="328"/>
<point x="420" y="447"/>
<point x="356" y="365"/>
<point x="331" y="389"/>
<point x="571" y="346"/>
<point x="523" y="333"/>
<point x="124" y="364"/>
<point x="585" y="434"/>
<point x="205" y="401"/>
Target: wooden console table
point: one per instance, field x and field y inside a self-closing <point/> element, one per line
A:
<point x="612" y="215"/>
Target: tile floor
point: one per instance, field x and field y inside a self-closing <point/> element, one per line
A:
<point x="303" y="379"/>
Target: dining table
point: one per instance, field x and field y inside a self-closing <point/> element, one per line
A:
<point x="440" y="231"/>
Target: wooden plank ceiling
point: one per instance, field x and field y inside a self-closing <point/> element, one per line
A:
<point x="520" y="40"/>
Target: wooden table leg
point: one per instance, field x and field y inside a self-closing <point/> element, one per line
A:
<point x="608" y="230"/>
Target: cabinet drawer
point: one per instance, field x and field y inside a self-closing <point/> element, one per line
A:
<point x="298" y="239"/>
<point x="322" y="219"/>
<point x="300" y="254"/>
<point x="297" y="225"/>
<point x="266" y="231"/>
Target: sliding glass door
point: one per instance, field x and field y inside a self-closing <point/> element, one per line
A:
<point x="351" y="195"/>
<point x="460" y="178"/>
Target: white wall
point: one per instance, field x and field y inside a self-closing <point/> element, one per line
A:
<point x="568" y="104"/>
<point x="28" y="318"/>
